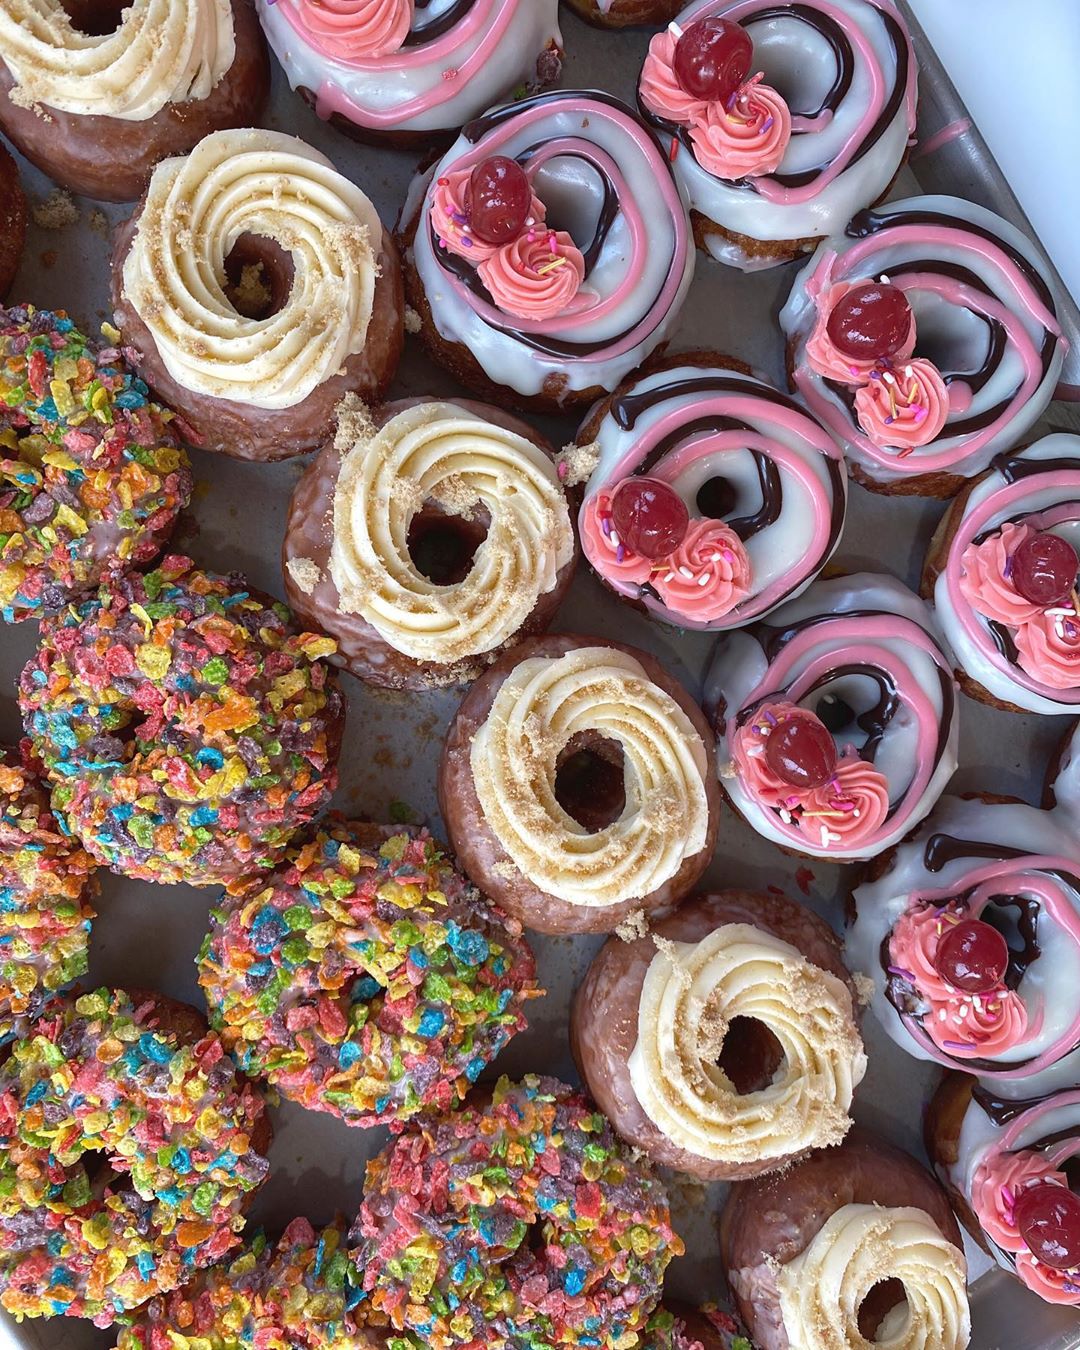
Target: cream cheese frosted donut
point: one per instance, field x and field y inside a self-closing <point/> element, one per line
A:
<point x="576" y="785"/>
<point x="255" y="288"/>
<point x="974" y="375"/>
<point x="406" y="71"/>
<point x="428" y="539"/>
<point x="836" y="721"/>
<point x="809" y="127"/>
<point x="95" y="92"/>
<point x="725" y="1042"/>
<point x="763" y="491"/>
<point x="551" y="304"/>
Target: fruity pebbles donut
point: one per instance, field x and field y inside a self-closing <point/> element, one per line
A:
<point x="46" y="892"/>
<point x="129" y="1145"/>
<point x="92" y="474"/>
<point x="365" y="977"/>
<point x="187" y="728"/>
<point x="516" y="1225"/>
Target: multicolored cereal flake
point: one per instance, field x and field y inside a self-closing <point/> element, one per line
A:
<point x="707" y="1328"/>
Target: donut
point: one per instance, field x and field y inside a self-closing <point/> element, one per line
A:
<point x="129" y="1146"/>
<point x="95" y="96"/>
<point x="365" y="976"/>
<point x="187" y="728"/>
<point x="548" y="319"/>
<point x="13" y="220"/>
<point x="676" y="1327"/>
<point x="971" y="352"/>
<point x="390" y="72"/>
<point x="851" y="680"/>
<point x="427" y="539"/>
<point x="1004" y="879"/>
<point x="520" y="1223"/>
<point x="576" y="785"/>
<point x="800" y="119"/>
<point x="855" y="1246"/>
<point x="725" y="1043"/>
<point x="625" y="13"/>
<point x="1015" y="632"/>
<point x="286" y="296"/>
<point x="92" y="472"/>
<point x="47" y="890"/>
<point x="750" y="467"/>
<point x="1007" y="1165"/>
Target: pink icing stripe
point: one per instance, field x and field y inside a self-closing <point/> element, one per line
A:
<point x="952" y="132"/>
<point x="474" y="21"/>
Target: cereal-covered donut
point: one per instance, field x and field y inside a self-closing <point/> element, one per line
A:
<point x="516" y="1225"/>
<point x="13" y="220"/>
<point x="714" y="498"/>
<point x="187" y="727"/>
<point x="400" y="73"/>
<point x="427" y="538"/>
<point x="365" y="977"/>
<point x="676" y="1327"/>
<point x="47" y="889"/>
<point x="92" y="473"/>
<point x="129" y="1146"/>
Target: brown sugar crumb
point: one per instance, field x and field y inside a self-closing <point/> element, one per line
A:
<point x="864" y="988"/>
<point x="305" y="573"/>
<point x="57" y="211"/>
<point x="355" y="425"/>
<point x="577" y="463"/>
<point x="633" y="927"/>
<point x="413" y="322"/>
<point x="251" y="294"/>
<point x="99" y="221"/>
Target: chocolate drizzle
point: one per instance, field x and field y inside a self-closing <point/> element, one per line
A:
<point x="1014" y="468"/>
<point x="423" y="31"/>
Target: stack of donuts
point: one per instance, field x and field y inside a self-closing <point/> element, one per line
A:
<point x="596" y="779"/>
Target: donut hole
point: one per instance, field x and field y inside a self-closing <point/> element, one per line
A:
<point x="883" y="1310"/>
<point x="95" y="18"/>
<point x="956" y="339"/>
<point x="750" y="1055"/>
<point x="837" y="714"/>
<point x="576" y="197"/>
<point x="443" y="545"/>
<point x="258" y="276"/>
<point x="716" y="498"/>
<point x="801" y="68"/>
<point x="590" y="781"/>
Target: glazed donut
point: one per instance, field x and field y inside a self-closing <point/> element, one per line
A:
<point x="675" y="1327"/>
<point x="552" y="318"/>
<point x="811" y="127"/>
<point x="852" y="682"/>
<point x="95" y="93"/>
<point x="1017" y="649"/>
<point x="187" y="728"/>
<point x="365" y="977"/>
<point x="815" y="1254"/>
<point x="725" y="1043"/>
<point x="976" y="368"/>
<point x="253" y="281"/>
<point x="575" y="785"/>
<point x="13" y="218"/>
<point x="550" y="1229"/>
<point x="92" y="473"/>
<point x="751" y="469"/>
<point x="449" y="539"/>
<point x="402" y="74"/>
<point x="47" y="890"/>
<point x="129" y="1146"/>
<point x="984" y="1001"/>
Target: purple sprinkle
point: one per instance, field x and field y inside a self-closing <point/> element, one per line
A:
<point x="1008" y="568"/>
<point x="1069" y="1287"/>
<point x="875" y="375"/>
<point x="904" y="974"/>
<point x="605" y="524"/>
<point x="620" y="553"/>
<point x="958" y="1045"/>
<point x="466" y="241"/>
<point x="459" y="218"/>
<point x="767" y="123"/>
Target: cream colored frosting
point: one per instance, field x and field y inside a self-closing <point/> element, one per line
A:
<point x="164" y="51"/>
<point x="438" y="452"/>
<point x="859" y="1246"/>
<point x="274" y="186"/>
<point x="691" y="993"/>
<point x="544" y="704"/>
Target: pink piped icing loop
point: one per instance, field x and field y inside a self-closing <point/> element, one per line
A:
<point x="450" y="219"/>
<point x="707" y="575"/>
<point x="351" y="30"/>
<point x="903" y="408"/>
<point x="537" y="278"/>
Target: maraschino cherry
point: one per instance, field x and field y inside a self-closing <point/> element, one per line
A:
<point x="649" y="516"/>
<point x="870" y="322"/>
<point x="498" y="200"/>
<point x="1044" y="568"/>
<point x="972" y="956"/>
<point x="801" y="751"/>
<point x="712" y="58"/>
<point x="1048" y="1218"/>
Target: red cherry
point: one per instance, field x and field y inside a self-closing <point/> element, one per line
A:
<point x="973" y="956"/>
<point x="1044" y="568"/>
<point x="801" y="751"/>
<point x="870" y="322"/>
<point x="649" y="516"/>
<point x="712" y="58"/>
<point x="498" y="200"/>
<point x="1048" y="1218"/>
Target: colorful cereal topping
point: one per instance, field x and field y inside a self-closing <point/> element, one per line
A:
<point x="667" y="1330"/>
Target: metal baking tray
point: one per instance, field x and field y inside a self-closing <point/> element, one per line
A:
<point x="148" y="935"/>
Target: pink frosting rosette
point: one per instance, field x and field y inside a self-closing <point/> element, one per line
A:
<point x="1048" y="647"/>
<point x="533" y="280"/>
<point x="997" y="1184"/>
<point x="751" y="766"/>
<point x="746" y="137"/>
<point x="985" y="571"/>
<point x="707" y="575"/>
<point x="912" y="944"/>
<point x="826" y="359"/>
<point x="905" y="407"/>
<point x="450" y="222"/>
<point x="349" y="30"/>
<point x="852" y="806"/>
<point x="660" y="89"/>
<point x="604" y="549"/>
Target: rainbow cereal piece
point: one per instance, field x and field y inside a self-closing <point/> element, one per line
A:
<point x="366" y="977"/>
<point x="706" y="1328"/>
<point x="97" y="1075"/>
<point x="443" y="1250"/>
<point x="188" y="729"/>
<point x="92" y="473"/>
<point x="46" y="889"/>
<point x="269" y="1297"/>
